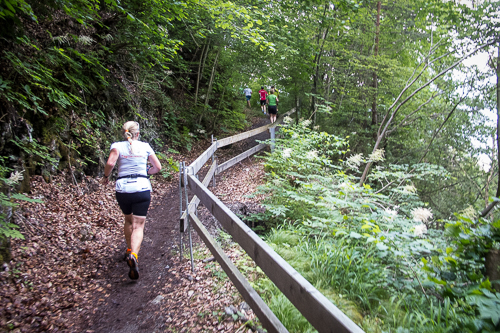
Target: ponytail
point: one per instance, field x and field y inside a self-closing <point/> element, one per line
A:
<point x="130" y="130"/>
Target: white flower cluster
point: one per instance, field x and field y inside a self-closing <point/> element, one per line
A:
<point x="287" y="120"/>
<point x="190" y="134"/>
<point x="16" y="177"/>
<point x="277" y="182"/>
<point x="306" y="123"/>
<point x="287" y="153"/>
<point x="391" y="214"/>
<point x="420" y="230"/>
<point x="469" y="212"/>
<point x="377" y="155"/>
<point x="311" y="155"/>
<point x="201" y="131"/>
<point x="355" y="160"/>
<point x="346" y="186"/>
<point x="409" y="189"/>
<point x="85" y="40"/>
<point x="316" y="128"/>
<point x="421" y="214"/>
<point x="61" y="39"/>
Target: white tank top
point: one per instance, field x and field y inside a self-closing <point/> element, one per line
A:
<point x="132" y="164"/>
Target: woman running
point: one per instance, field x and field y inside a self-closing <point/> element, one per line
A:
<point x="272" y="101"/>
<point x="133" y="189"/>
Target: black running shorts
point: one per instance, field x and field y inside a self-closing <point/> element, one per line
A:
<point x="134" y="203"/>
<point x="262" y="102"/>
<point x="272" y="109"/>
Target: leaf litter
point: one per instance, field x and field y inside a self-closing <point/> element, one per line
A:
<point x="59" y="277"/>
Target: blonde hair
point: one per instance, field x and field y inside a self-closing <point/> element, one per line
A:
<point x="130" y="130"/>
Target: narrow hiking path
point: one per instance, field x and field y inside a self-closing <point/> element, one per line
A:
<point x="69" y="274"/>
<point x="139" y="306"/>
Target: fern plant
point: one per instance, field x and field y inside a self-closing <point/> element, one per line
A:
<point x="8" y="202"/>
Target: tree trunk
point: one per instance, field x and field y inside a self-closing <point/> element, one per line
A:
<point x="375" y="75"/>
<point x="392" y="111"/>
<point x="317" y="60"/>
<point x="207" y="97"/>
<point x="492" y="265"/>
<point x="299" y="105"/>
<point x="490" y="175"/>
<point x="491" y="205"/>
<point x="201" y="65"/>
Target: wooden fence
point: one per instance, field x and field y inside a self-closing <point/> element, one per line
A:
<point x="315" y="307"/>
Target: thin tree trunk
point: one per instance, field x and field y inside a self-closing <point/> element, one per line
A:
<point x="491" y="205"/>
<point x="218" y="109"/>
<point x="397" y="104"/>
<point x="209" y="91"/>
<point x="299" y="105"/>
<point x="317" y="60"/>
<point x="201" y="65"/>
<point x="490" y="175"/>
<point x="375" y="74"/>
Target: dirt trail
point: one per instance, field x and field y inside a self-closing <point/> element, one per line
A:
<point x="135" y="306"/>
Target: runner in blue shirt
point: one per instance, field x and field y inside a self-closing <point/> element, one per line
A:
<point x="248" y="93"/>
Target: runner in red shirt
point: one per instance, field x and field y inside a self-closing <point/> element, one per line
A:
<point x="263" y="97"/>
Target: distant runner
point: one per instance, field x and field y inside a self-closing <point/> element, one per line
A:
<point x="277" y="93"/>
<point x="272" y="102"/>
<point x="248" y="93"/>
<point x="263" y="97"/>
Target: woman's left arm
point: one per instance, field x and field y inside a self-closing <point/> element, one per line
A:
<point x="156" y="165"/>
<point x="110" y="164"/>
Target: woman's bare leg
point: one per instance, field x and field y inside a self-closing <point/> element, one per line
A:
<point x="128" y="228"/>
<point x="137" y="233"/>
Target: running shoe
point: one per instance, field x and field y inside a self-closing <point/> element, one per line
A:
<point x="125" y="258"/>
<point x="134" y="267"/>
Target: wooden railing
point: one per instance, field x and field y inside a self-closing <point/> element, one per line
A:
<point x="313" y="305"/>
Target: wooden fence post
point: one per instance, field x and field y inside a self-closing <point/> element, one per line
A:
<point x="272" y="131"/>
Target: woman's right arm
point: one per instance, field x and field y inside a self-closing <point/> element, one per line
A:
<point x="110" y="164"/>
<point x="156" y="165"/>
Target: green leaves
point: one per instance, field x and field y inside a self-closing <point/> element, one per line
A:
<point x="357" y="235"/>
<point x="488" y="304"/>
<point x="11" y="8"/>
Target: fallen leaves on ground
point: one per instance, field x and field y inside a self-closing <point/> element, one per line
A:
<point x="55" y="272"/>
<point x="57" y="275"/>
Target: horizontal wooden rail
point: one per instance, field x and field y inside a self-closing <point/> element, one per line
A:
<point x="195" y="201"/>
<point x="248" y="134"/>
<point x="240" y="157"/>
<point x="266" y="316"/>
<point x="315" y="307"/>
<point x="194" y="167"/>
<point x="242" y="136"/>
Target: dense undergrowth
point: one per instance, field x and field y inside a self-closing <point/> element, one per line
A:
<point x="374" y="250"/>
<point x="72" y="72"/>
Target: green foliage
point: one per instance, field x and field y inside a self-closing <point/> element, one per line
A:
<point x="376" y="247"/>
<point x="169" y="165"/>
<point x="34" y="150"/>
<point x="8" y="203"/>
<point x="10" y="8"/>
<point x="81" y="68"/>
